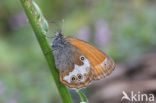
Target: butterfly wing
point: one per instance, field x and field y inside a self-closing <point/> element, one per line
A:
<point x="102" y="64"/>
<point x="78" y="72"/>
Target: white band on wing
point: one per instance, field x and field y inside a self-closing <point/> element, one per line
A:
<point x="83" y="70"/>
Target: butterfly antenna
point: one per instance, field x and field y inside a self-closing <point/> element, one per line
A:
<point x="62" y="24"/>
<point x="56" y="24"/>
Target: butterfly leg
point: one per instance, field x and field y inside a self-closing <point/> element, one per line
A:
<point x="47" y="36"/>
<point x="48" y="52"/>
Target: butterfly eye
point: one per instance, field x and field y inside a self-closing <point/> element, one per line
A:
<point x="73" y="78"/>
<point x="82" y="58"/>
<point x="79" y="76"/>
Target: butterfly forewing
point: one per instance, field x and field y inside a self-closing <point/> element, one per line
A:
<point x="102" y="64"/>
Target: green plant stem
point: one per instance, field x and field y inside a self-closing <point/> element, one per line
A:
<point x="82" y="96"/>
<point x="40" y="27"/>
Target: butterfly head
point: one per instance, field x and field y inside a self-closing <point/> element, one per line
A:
<point x="58" y="33"/>
<point x="58" y="41"/>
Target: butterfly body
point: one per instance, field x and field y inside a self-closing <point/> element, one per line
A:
<point x="79" y="62"/>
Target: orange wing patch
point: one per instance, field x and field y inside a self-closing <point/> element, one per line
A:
<point x="102" y="64"/>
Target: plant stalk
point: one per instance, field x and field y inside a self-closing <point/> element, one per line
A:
<point x="40" y="28"/>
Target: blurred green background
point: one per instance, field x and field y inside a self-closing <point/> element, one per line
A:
<point x="124" y="29"/>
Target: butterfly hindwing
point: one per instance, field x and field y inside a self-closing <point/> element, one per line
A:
<point x="102" y="64"/>
<point x="78" y="74"/>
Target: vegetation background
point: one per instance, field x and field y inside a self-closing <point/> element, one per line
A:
<point x="124" y="29"/>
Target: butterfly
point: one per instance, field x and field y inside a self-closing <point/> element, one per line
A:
<point x="78" y="62"/>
